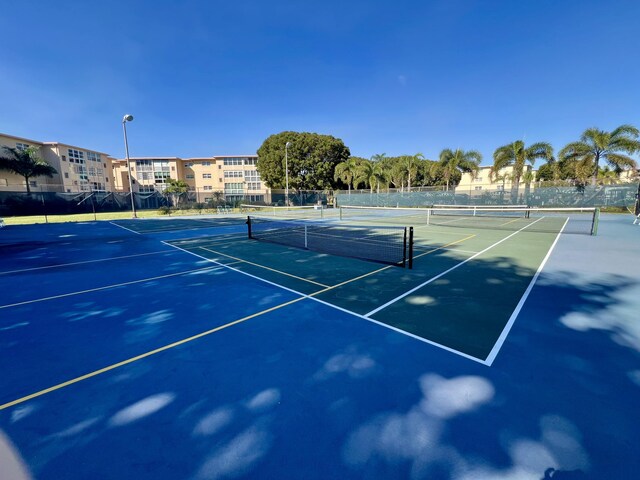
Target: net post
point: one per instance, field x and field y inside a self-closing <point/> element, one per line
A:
<point x="249" y="226"/>
<point x="306" y="243"/>
<point x="594" y="222"/>
<point x="340" y="212"/>
<point x="428" y="216"/>
<point x="410" y="248"/>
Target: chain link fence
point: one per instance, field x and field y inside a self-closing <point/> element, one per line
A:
<point x="622" y="195"/>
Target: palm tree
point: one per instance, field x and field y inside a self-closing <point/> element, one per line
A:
<point x="176" y="188"/>
<point x="372" y="173"/>
<point x="346" y="171"/>
<point x="595" y="145"/>
<point x="26" y="163"/>
<point x="411" y="163"/>
<point x="218" y="197"/>
<point x="607" y="176"/>
<point x="465" y="162"/>
<point x="397" y="172"/>
<point x="516" y="155"/>
<point x="379" y="157"/>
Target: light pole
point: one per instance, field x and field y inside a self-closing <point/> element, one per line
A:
<point x="125" y="119"/>
<point x="286" y="172"/>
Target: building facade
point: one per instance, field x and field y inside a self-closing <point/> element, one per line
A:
<point x="78" y="169"/>
<point x="231" y="178"/>
<point x="485" y="182"/>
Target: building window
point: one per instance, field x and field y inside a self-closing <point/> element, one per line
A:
<point x="21" y="146"/>
<point x="255" y="198"/>
<point x="233" y="174"/>
<point x="64" y="158"/>
<point x="161" y="177"/>
<point x="500" y="188"/>
<point x="206" y="175"/>
<point x="251" y="176"/>
<point x="188" y="165"/>
<point x="66" y="175"/>
<point x="477" y="179"/>
<point x="206" y="164"/>
<point x="232" y="161"/>
<point x="253" y="186"/>
<point x="146" y="189"/>
<point x="75" y="156"/>
<point x="93" y="156"/>
<point x="144" y="165"/>
<point x="230" y="188"/>
<point x="190" y="176"/>
<point x="251" y="161"/>
<point x="207" y="187"/>
<point x="173" y="169"/>
<point x="478" y="188"/>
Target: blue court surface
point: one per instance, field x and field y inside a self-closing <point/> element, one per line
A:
<point x="179" y="349"/>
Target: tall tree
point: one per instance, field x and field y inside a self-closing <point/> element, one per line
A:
<point x="346" y="171"/>
<point x="411" y="163"/>
<point x="516" y="155"/>
<point x="311" y="160"/>
<point x="372" y="173"/>
<point x="26" y="163"/>
<point x="595" y="145"/>
<point x="459" y="161"/>
<point x="379" y="157"/>
<point x="176" y="189"/>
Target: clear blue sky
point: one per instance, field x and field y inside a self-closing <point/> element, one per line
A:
<point x="211" y="78"/>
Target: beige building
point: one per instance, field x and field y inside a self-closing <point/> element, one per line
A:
<point x="79" y="169"/>
<point x="484" y="182"/>
<point x="234" y="177"/>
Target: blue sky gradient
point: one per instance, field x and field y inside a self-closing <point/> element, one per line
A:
<point x="212" y="78"/>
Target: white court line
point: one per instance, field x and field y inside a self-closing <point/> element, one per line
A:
<point x="469" y="357"/>
<point x="432" y="279"/>
<point x="103" y="288"/>
<point x="503" y="336"/>
<point x="86" y="261"/>
<point x="211" y="239"/>
<point x="125" y="228"/>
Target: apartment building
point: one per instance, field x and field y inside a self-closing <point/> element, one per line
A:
<point x="78" y="169"/>
<point x="233" y="177"/>
<point x="484" y="181"/>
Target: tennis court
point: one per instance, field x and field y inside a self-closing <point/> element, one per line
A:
<point x="181" y="348"/>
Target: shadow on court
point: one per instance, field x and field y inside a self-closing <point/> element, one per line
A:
<point x="308" y="392"/>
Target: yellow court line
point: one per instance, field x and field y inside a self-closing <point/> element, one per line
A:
<point x="144" y="355"/>
<point x="266" y="268"/>
<point x="202" y="334"/>
<point x="510" y="221"/>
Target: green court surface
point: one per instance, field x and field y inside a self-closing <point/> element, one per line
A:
<point x="462" y="291"/>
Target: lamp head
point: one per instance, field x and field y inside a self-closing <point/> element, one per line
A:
<point x="127" y="118"/>
<point x="288" y="144"/>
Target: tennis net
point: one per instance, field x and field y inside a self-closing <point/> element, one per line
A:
<point x="384" y="244"/>
<point x="547" y="220"/>
<point x="302" y="212"/>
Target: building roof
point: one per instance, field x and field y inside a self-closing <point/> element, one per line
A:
<point x="20" y="138"/>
